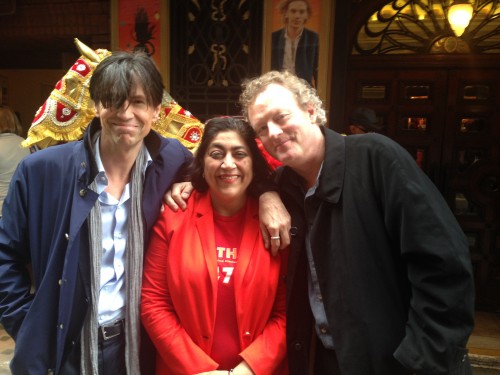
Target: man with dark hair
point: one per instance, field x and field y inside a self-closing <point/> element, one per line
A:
<point x="79" y="215"/>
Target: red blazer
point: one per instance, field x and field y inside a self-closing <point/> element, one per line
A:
<point x="179" y="293"/>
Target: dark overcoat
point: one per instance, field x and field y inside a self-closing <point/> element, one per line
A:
<point x="393" y="264"/>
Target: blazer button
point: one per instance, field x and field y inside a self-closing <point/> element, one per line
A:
<point x="67" y="236"/>
<point x="297" y="346"/>
<point x="83" y="192"/>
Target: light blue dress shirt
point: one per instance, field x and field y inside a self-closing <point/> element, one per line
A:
<point x="114" y="216"/>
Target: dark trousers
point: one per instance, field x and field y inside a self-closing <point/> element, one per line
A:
<point x="112" y="356"/>
<point x="325" y="360"/>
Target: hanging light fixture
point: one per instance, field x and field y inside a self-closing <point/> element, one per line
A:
<point x="459" y="15"/>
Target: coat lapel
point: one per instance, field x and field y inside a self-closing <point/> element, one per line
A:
<point x="206" y="231"/>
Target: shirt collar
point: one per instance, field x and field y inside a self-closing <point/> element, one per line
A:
<point x="312" y="189"/>
<point x="297" y="38"/>
<point x="102" y="183"/>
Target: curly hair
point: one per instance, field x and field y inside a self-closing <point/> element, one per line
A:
<point x="304" y="94"/>
<point x="260" y="167"/>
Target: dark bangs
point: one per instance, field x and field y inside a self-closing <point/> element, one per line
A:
<point x="116" y="77"/>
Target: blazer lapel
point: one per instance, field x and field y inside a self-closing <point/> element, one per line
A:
<point x="206" y="231"/>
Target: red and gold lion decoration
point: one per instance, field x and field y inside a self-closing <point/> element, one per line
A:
<point x="69" y="109"/>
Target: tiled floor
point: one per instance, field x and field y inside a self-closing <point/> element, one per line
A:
<point x="486" y="337"/>
<point x="6" y="350"/>
<point x="484" y="345"/>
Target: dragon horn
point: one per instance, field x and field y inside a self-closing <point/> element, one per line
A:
<point x="87" y="51"/>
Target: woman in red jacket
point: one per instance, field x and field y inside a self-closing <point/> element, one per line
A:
<point x="213" y="298"/>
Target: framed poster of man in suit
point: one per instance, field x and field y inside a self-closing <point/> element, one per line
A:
<point x="296" y="38"/>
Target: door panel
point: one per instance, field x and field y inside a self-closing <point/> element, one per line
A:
<point x="449" y="120"/>
<point x="409" y="103"/>
<point x="472" y="164"/>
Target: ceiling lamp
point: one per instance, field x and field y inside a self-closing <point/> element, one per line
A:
<point x="459" y="15"/>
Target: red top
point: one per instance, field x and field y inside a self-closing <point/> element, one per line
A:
<point x="226" y="345"/>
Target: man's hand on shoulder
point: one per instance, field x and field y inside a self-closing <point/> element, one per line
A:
<point x="178" y="195"/>
<point x="275" y="222"/>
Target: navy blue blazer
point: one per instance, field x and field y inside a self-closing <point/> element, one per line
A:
<point x="45" y="225"/>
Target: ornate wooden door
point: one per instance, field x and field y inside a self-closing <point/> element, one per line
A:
<point x="449" y="120"/>
<point x="471" y="165"/>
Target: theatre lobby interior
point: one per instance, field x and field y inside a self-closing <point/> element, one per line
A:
<point x="429" y="69"/>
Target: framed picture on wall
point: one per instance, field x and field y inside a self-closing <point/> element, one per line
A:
<point x="297" y="37"/>
<point x="142" y="25"/>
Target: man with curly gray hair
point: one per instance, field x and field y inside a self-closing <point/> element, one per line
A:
<point x="378" y="264"/>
